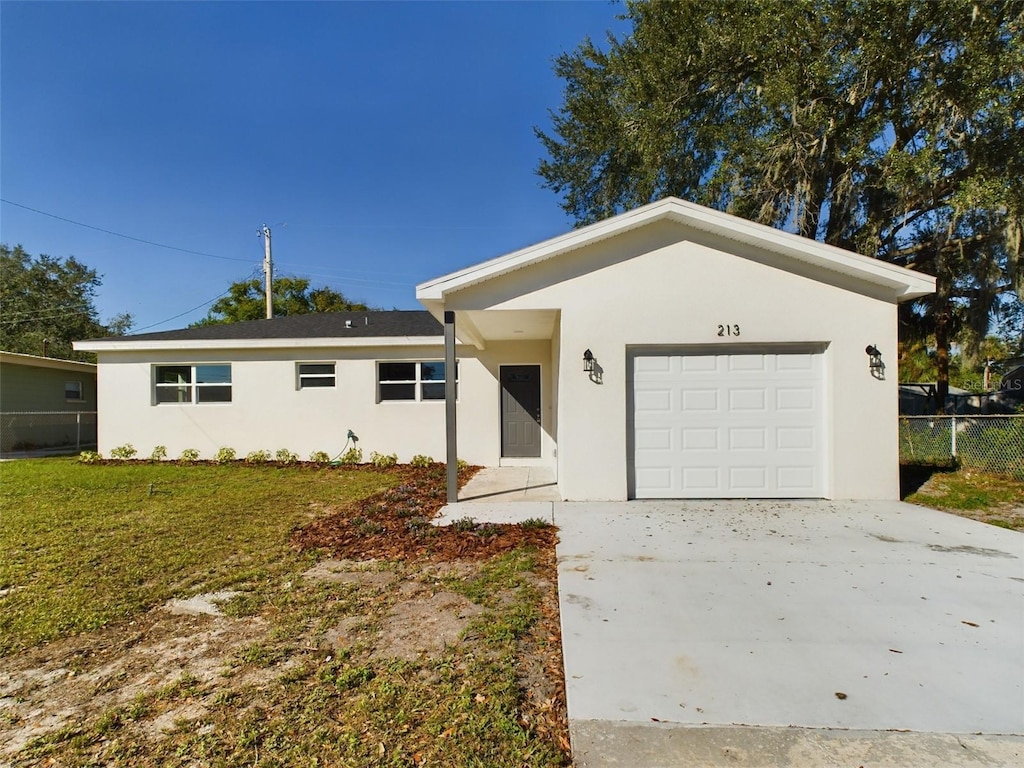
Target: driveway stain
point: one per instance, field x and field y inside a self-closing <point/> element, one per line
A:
<point x="969" y="550"/>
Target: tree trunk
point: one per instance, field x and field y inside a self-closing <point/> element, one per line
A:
<point x="943" y="318"/>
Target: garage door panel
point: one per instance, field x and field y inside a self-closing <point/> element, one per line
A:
<point x="655" y="479"/>
<point x="794" y="399"/>
<point x="693" y="363"/>
<point x="785" y="363"/>
<point x="737" y="426"/>
<point x="794" y="438"/>
<point x="745" y="363"/>
<point x="701" y="478"/>
<point x="748" y="399"/>
<point x="658" y="364"/>
<point x="796" y="478"/>
<point x="699" y="400"/>
<point x="747" y="438"/>
<point x="748" y="478"/>
<point x="657" y="400"/>
<point x="654" y="438"/>
<point x="699" y="438"/>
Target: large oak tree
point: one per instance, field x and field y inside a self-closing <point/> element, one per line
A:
<point x="894" y="129"/>
<point x="46" y="303"/>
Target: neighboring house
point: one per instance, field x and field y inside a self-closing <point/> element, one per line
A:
<point x="1011" y="385"/>
<point x="727" y="359"/>
<point x="920" y="398"/>
<point x="40" y="399"/>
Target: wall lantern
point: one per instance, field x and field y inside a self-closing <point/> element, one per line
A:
<point x="588" y="361"/>
<point x="875" y="364"/>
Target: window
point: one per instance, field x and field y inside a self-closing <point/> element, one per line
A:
<point x="193" y="383"/>
<point x="314" y="375"/>
<point x="73" y="391"/>
<point x="411" y="381"/>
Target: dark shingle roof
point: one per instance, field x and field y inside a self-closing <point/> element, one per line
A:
<point x="313" y="326"/>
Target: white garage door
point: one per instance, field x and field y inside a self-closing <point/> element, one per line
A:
<point x="728" y="426"/>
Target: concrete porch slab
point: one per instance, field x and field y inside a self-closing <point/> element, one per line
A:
<point x="504" y="495"/>
<point x="497" y="512"/>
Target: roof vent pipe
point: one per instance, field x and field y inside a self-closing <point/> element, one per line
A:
<point x="348" y="323"/>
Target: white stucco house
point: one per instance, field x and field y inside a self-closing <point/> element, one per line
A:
<point x="726" y="359"/>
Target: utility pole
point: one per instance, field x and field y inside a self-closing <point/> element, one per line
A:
<point x="268" y="271"/>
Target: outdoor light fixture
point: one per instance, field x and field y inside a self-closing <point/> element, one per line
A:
<point x="875" y="364"/>
<point x="588" y="361"/>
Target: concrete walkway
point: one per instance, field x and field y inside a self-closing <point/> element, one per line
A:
<point x="790" y="633"/>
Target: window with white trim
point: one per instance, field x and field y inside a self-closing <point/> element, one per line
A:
<point x="73" y="392"/>
<point x="315" y="375"/>
<point x="201" y="383"/>
<point x="420" y="380"/>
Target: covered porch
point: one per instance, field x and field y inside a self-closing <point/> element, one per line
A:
<point x="519" y="349"/>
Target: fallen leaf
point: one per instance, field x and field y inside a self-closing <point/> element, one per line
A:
<point x="969" y="623"/>
<point x="840" y="695"/>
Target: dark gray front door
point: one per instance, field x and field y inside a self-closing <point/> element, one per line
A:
<point x="520" y="410"/>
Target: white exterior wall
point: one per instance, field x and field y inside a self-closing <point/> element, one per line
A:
<point x="268" y="411"/>
<point x="677" y="292"/>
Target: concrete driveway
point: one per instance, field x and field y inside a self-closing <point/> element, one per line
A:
<point x="790" y="633"/>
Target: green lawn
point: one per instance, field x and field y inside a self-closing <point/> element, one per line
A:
<point x="990" y="498"/>
<point x="83" y="546"/>
<point x="89" y="552"/>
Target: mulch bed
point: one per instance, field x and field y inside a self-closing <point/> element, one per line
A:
<point x="394" y="525"/>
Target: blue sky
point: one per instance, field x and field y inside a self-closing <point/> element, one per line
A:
<point x="384" y="143"/>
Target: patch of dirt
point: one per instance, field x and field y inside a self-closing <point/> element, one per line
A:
<point x="424" y="625"/>
<point x="66" y="682"/>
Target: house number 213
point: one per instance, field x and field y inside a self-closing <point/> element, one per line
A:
<point x="728" y="330"/>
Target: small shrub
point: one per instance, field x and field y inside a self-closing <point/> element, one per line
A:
<point x="257" y="457"/>
<point x="352" y="456"/>
<point x="419" y="460"/>
<point x="284" y="456"/>
<point x="124" y="452"/>
<point x="188" y="456"/>
<point x="319" y="457"/>
<point x="224" y="455"/>
<point x="383" y="459"/>
<point x="464" y="525"/>
<point x="90" y="457"/>
<point x="534" y="523"/>
<point x="159" y="453"/>
<point x="461" y="463"/>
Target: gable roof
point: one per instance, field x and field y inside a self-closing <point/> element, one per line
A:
<point x="904" y="284"/>
<point x="332" y="328"/>
<point x="36" y="361"/>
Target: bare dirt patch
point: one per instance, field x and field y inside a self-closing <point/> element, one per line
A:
<point x="64" y="684"/>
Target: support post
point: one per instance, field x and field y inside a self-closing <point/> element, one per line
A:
<point x="450" y="393"/>
<point x="78" y="430"/>
<point x="952" y="432"/>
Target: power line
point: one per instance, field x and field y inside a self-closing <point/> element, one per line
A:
<point x="187" y="311"/>
<point x="7" y="319"/>
<point x="126" y="237"/>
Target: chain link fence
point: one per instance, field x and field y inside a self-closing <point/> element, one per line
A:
<point x="989" y="443"/>
<point x="31" y="430"/>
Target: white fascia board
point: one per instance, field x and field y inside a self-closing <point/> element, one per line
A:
<point x="905" y="283"/>
<point x="127" y="345"/>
